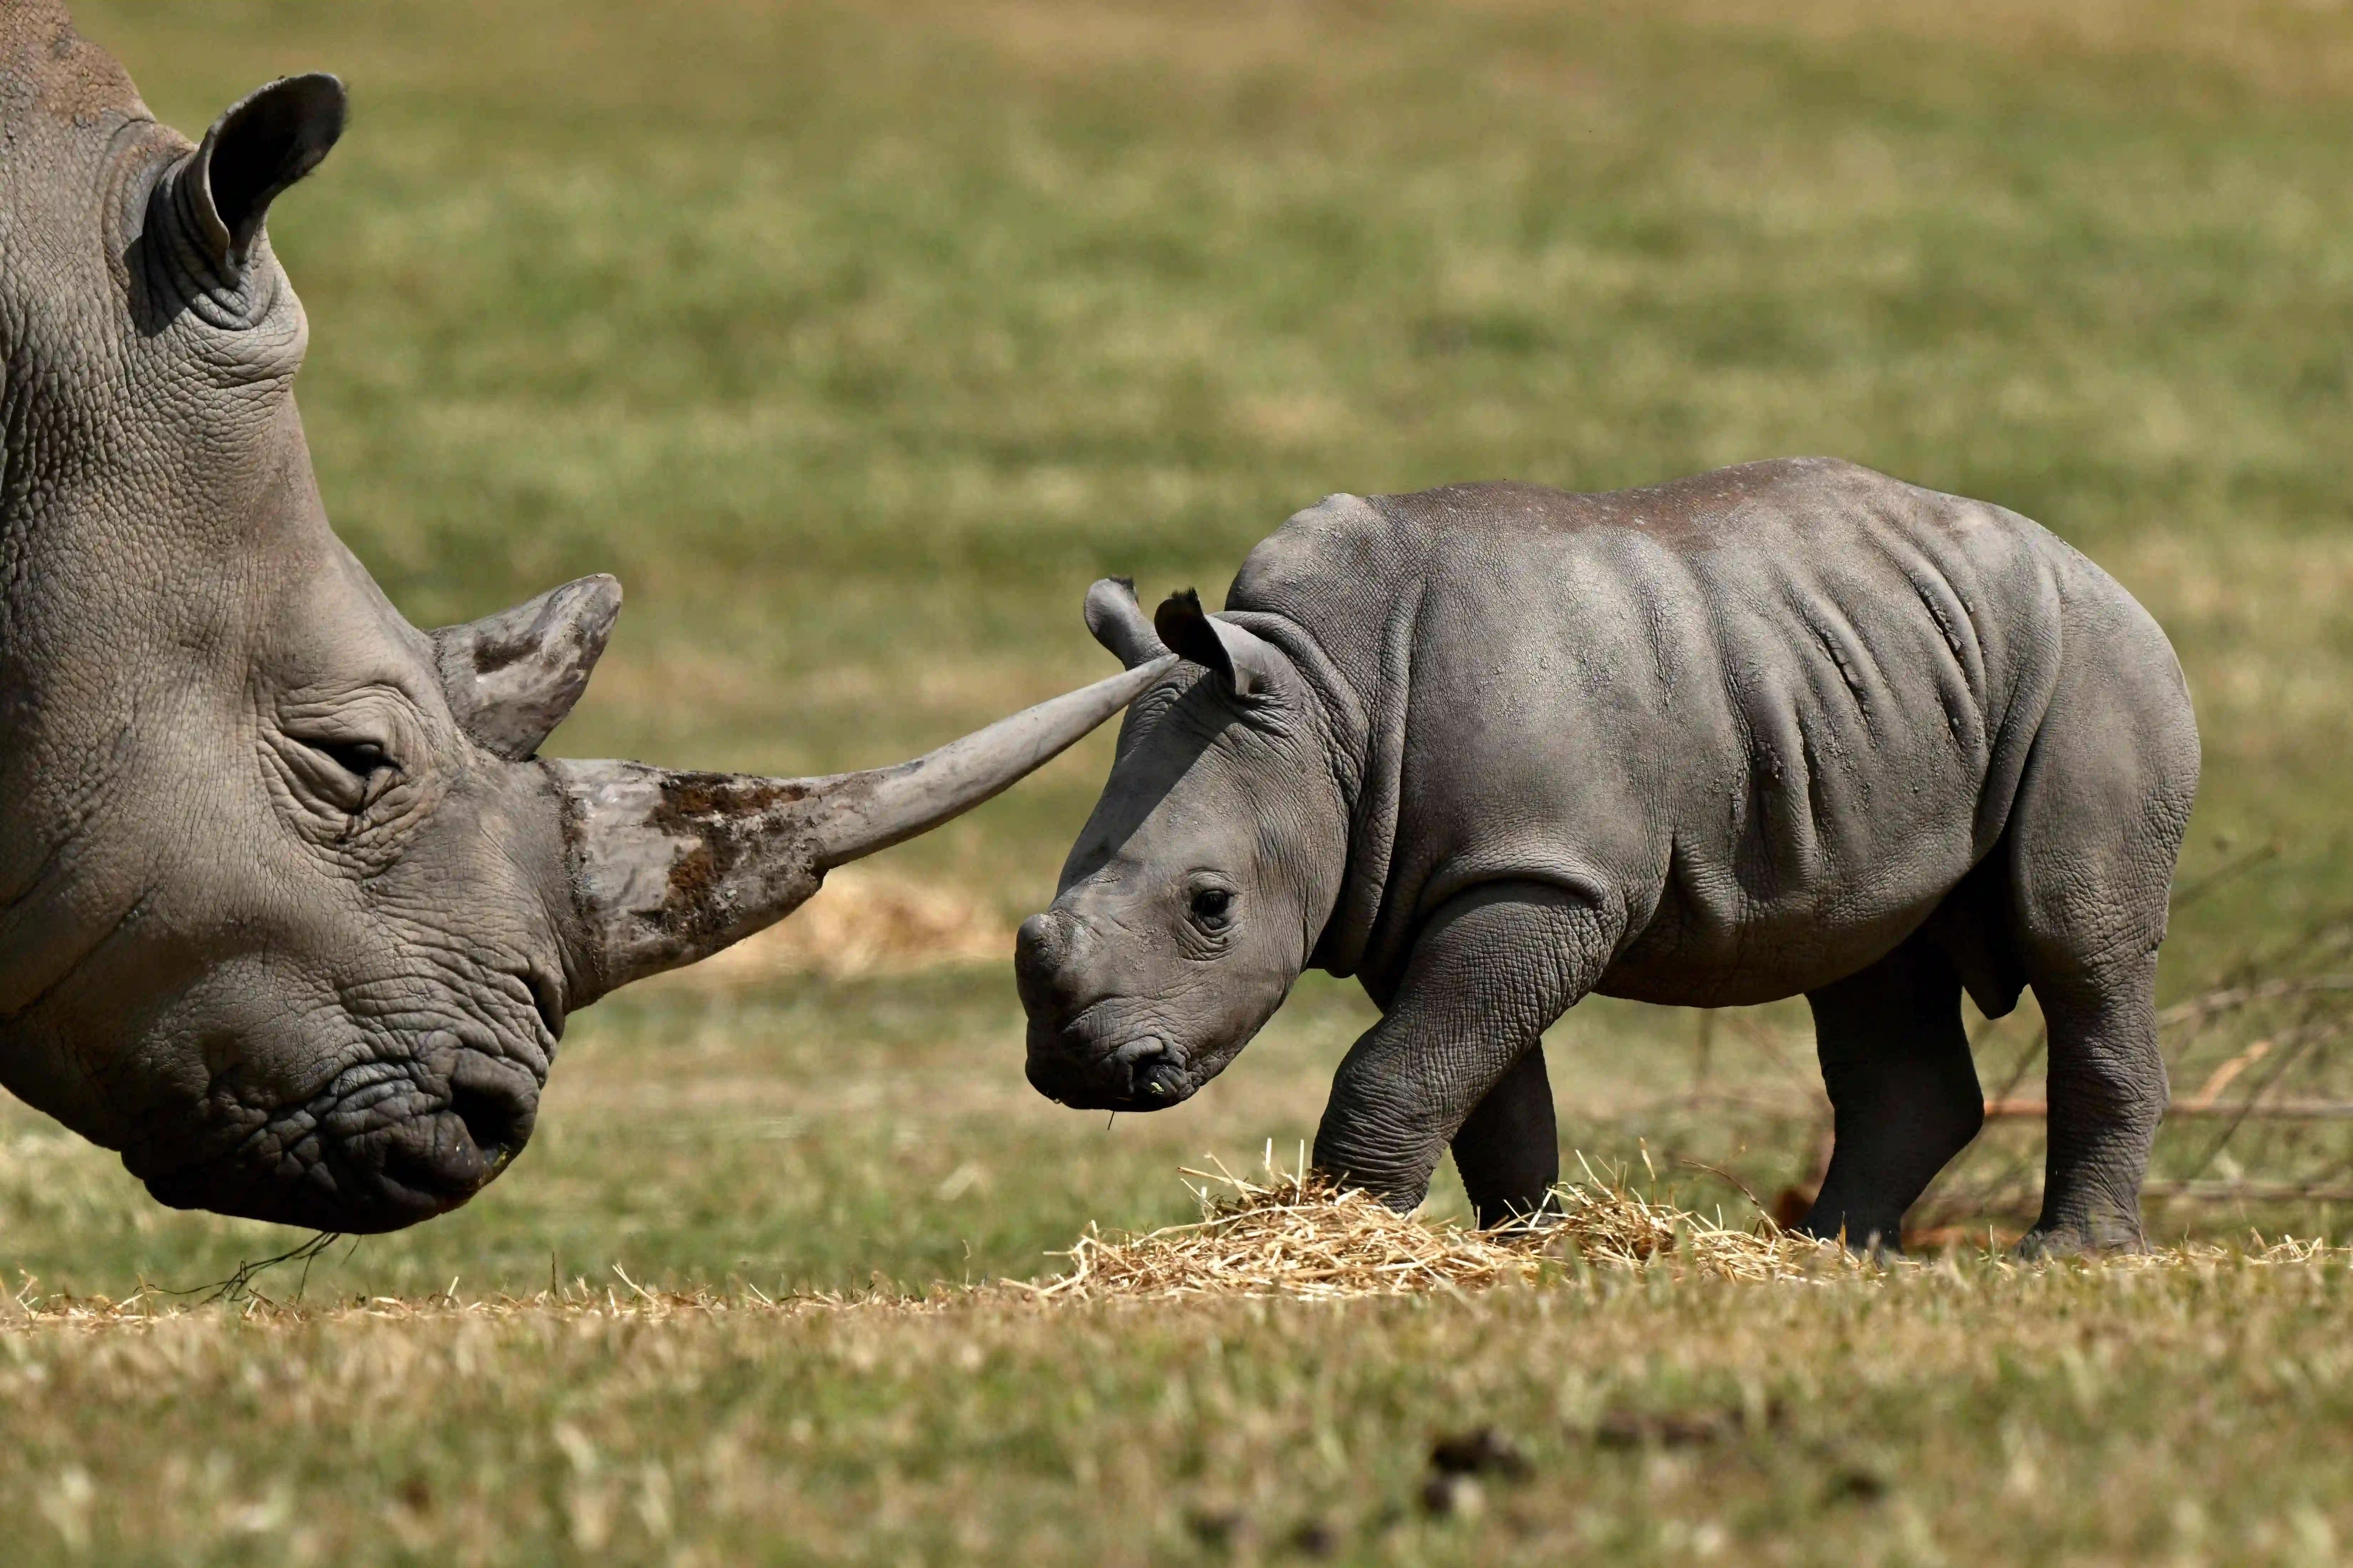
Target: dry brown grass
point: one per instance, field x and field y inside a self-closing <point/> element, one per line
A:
<point x="863" y="922"/>
<point x="1296" y="1235"/>
<point x="1292" y="1234"/>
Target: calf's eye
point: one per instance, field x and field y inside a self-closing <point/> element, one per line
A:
<point x="1212" y="908"/>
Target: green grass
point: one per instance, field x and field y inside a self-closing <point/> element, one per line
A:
<point x="858" y="339"/>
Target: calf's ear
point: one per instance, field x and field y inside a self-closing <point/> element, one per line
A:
<point x="1118" y="623"/>
<point x="512" y="677"/>
<point x="1246" y="664"/>
<point x="261" y="145"/>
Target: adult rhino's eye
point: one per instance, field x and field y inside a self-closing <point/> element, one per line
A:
<point x="1212" y="908"/>
<point x="353" y="774"/>
<point x="361" y="759"/>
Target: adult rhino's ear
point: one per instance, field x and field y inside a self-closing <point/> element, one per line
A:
<point x="1246" y="664"/>
<point x="512" y="677"/>
<point x="263" y="144"/>
<point x="1117" y="621"/>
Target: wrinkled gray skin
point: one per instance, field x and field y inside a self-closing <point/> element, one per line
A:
<point x="1790" y="728"/>
<point x="290" y="912"/>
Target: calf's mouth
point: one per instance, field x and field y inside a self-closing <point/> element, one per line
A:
<point x="1144" y="1072"/>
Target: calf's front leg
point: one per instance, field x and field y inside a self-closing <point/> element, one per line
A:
<point x="1508" y="1149"/>
<point x="1456" y="1057"/>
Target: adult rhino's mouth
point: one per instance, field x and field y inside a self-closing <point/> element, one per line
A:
<point x="384" y="1145"/>
<point x="1145" y="1073"/>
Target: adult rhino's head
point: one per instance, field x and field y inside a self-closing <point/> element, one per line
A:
<point x="291" y="912"/>
<point x="1198" y="889"/>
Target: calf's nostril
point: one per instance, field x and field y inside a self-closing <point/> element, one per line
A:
<point x="1151" y="1071"/>
<point x="1163" y="1082"/>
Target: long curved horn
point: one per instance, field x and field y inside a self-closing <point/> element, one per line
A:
<point x="668" y="868"/>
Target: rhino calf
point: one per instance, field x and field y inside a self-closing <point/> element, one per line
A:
<point x="1792" y="727"/>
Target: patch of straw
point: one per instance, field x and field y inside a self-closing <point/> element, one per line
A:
<point x="1295" y="1234"/>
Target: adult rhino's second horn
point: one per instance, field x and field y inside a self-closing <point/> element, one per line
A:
<point x="668" y="868"/>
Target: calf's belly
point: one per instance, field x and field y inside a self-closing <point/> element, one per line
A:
<point x="1774" y="960"/>
<point x="1708" y="952"/>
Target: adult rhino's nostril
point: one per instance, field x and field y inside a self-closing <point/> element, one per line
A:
<point x="497" y="1104"/>
<point x="547" y="1000"/>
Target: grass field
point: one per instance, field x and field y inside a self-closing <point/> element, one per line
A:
<point x="858" y="339"/>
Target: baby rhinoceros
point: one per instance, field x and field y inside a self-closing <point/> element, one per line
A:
<point x="1792" y="727"/>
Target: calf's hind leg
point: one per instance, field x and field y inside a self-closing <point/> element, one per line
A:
<point x="2108" y="1094"/>
<point x="1903" y="1090"/>
<point x="2099" y="817"/>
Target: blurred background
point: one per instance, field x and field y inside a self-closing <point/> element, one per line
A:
<point x="858" y="339"/>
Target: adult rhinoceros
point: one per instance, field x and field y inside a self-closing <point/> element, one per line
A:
<point x="290" y="912"/>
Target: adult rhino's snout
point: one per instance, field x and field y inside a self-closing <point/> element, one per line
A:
<point x="473" y="1116"/>
<point x="385" y="1144"/>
